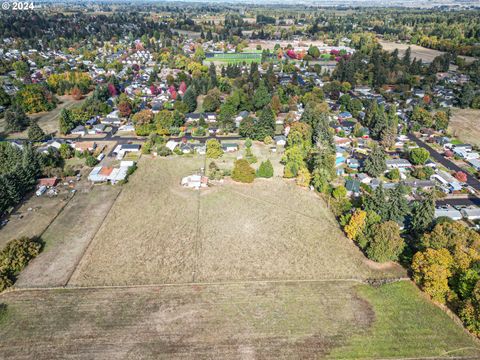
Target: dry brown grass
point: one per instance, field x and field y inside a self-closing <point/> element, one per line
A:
<point x="158" y="232"/>
<point x="148" y="236"/>
<point x="236" y="321"/>
<point x="25" y="222"/>
<point x="48" y="121"/>
<point x="195" y="322"/>
<point x="465" y="124"/>
<point x="67" y="238"/>
<point x="419" y="52"/>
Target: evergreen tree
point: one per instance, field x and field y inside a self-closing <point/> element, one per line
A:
<point x="35" y="132"/>
<point x="423" y="212"/>
<point x="212" y="72"/>
<point x="265" y="170"/>
<point x="190" y="99"/>
<point x="266" y="123"/>
<point x="261" y="97"/>
<point x="397" y="207"/>
<point x="375" y="164"/>
<point x="16" y="119"/>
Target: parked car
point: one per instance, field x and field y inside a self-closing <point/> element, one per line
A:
<point x="41" y="190"/>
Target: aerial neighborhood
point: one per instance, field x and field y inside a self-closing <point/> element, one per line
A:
<point x="195" y="144"/>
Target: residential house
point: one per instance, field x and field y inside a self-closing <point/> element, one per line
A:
<point x="352" y="186"/>
<point x="398" y="164"/>
<point x="230" y="147"/>
<point x="195" y="181"/>
<point x="448" y="211"/>
<point x="280" y="140"/>
<point x="171" y="144"/>
<point x="471" y="213"/>
<point x="83" y="146"/>
<point x="79" y="130"/>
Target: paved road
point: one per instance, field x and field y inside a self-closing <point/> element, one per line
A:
<point x="125" y="139"/>
<point x="472" y="181"/>
<point x="472" y="200"/>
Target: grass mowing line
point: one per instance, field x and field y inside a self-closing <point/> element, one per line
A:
<point x="359" y="281"/>
<point x="80" y="258"/>
<point x="197" y="241"/>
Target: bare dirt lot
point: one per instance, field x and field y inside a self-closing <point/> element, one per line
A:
<point x="67" y="238"/>
<point x="465" y="124"/>
<point x="419" y="52"/>
<point x="234" y="321"/>
<point x="158" y="232"/>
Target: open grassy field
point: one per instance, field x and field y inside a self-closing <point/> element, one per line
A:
<point x="48" y="121"/>
<point x="465" y="124"/>
<point x="158" y="232"/>
<point x="233" y="271"/>
<point x="236" y="58"/>
<point x="235" y="321"/>
<point x="25" y="222"/>
<point x="67" y="238"/>
<point x="419" y="52"/>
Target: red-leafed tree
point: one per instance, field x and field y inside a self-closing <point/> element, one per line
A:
<point x="76" y="93"/>
<point x="461" y="176"/>
<point x="153" y="90"/>
<point x="125" y="109"/>
<point x="173" y="92"/>
<point x="112" y="90"/>
<point x="183" y="87"/>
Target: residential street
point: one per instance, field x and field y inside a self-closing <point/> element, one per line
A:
<point x="473" y="182"/>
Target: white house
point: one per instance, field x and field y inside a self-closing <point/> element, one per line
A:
<point x="449" y="212"/>
<point x="171" y="144"/>
<point x="398" y="164"/>
<point x="195" y="181"/>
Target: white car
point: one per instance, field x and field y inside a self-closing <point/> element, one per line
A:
<point x="41" y="190"/>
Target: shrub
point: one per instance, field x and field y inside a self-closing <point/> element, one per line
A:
<point x="243" y="172"/>
<point x="393" y="174"/>
<point x="386" y="243"/>
<point x="268" y="140"/>
<point x="15" y="256"/>
<point x="265" y="170"/>
<point x="162" y="150"/>
<point x="90" y="161"/>
<point x="214" y="149"/>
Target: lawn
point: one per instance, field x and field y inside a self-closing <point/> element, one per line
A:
<point x="258" y="320"/>
<point x="406" y="325"/>
<point x="235" y="58"/>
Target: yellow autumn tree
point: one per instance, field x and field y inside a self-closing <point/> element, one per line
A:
<point x="356" y="224"/>
<point x="303" y="177"/>
<point x="431" y="271"/>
